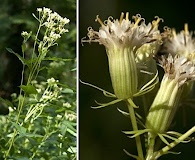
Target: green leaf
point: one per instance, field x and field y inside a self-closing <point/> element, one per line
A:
<point x="74" y="69"/>
<point x="106" y="93"/>
<point x="163" y="139"/>
<point x="29" y="89"/>
<point x="123" y="112"/>
<point x="72" y="149"/>
<point x="131" y="155"/>
<point x="137" y="132"/>
<point x="24" y="62"/>
<point x="33" y="135"/>
<point x="57" y="59"/>
<point x="7" y="102"/>
<point x="72" y="132"/>
<point x="67" y="90"/>
<point x="101" y="105"/>
<point x="20" y="129"/>
<point x="68" y="126"/>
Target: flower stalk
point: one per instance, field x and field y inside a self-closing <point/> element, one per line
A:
<point x="131" y="105"/>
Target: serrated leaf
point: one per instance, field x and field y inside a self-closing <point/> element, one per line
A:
<point x="29" y="89"/>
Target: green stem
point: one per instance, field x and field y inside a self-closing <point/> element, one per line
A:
<point x="20" y="106"/>
<point x="34" y="67"/>
<point x="131" y="106"/>
<point x="151" y="143"/>
<point x="165" y="149"/>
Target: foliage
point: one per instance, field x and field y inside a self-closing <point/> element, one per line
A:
<point x="41" y="123"/>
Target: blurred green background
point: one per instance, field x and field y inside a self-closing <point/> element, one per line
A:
<point x="100" y="136"/>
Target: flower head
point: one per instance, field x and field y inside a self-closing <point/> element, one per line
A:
<point x="122" y="38"/>
<point x="182" y="44"/>
<point x="178" y="68"/>
<point x="125" y="33"/>
<point x="178" y="71"/>
<point x="54" y="25"/>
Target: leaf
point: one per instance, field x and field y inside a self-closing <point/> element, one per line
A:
<point x="137" y="133"/>
<point x="19" y="128"/>
<point x="72" y="149"/>
<point x="74" y="69"/>
<point x="106" y="93"/>
<point x="170" y="135"/>
<point x="132" y="103"/>
<point x="163" y="139"/>
<point x="24" y="62"/>
<point x="33" y="135"/>
<point x="72" y="132"/>
<point x="57" y="59"/>
<point x="67" y="90"/>
<point x="101" y="105"/>
<point x="131" y="155"/>
<point x="67" y="127"/>
<point x="123" y="112"/>
<point x="7" y="102"/>
<point x="29" y="89"/>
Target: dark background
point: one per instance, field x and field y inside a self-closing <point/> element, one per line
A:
<point x="100" y="136"/>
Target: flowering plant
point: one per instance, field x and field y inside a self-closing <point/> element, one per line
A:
<point x="42" y="119"/>
<point x="132" y="49"/>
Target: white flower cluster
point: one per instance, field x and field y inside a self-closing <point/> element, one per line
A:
<point x="70" y="116"/>
<point x="125" y="33"/>
<point x="180" y="63"/>
<point x="51" y="93"/>
<point x="24" y="33"/>
<point x="54" y="24"/>
<point x="178" y="68"/>
<point x="182" y="44"/>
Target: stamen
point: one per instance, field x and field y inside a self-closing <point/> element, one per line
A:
<point x="127" y="16"/>
<point x="121" y="18"/>
<point x="156" y="22"/>
<point x="185" y="33"/>
<point x="174" y="32"/>
<point x="184" y="37"/>
<point x="89" y="29"/>
<point x="110" y="18"/>
<point x="137" y="19"/>
<point x="99" y="20"/>
<point x="186" y="29"/>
